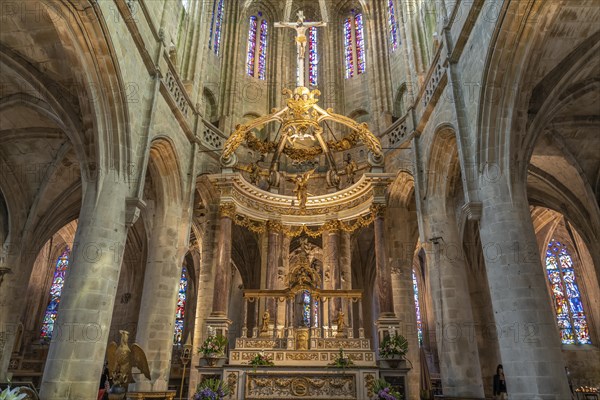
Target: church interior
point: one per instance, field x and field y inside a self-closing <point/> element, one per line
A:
<point x="300" y="199"/>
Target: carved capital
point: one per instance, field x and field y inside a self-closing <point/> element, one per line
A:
<point x="274" y="226"/>
<point x="378" y="210"/>
<point x="227" y="210"/>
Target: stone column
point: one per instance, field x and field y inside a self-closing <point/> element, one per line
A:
<point x="331" y="262"/>
<point x="273" y="263"/>
<point x="529" y="340"/>
<point x="75" y="359"/>
<point x="159" y="299"/>
<point x="223" y="271"/>
<point x="383" y="283"/>
<point x="346" y="274"/>
<point x="401" y="226"/>
<point x="456" y="342"/>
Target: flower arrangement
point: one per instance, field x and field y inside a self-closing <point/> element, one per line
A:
<point x="260" y="360"/>
<point x="211" y="389"/>
<point x="385" y="391"/>
<point x="341" y="361"/>
<point x="214" y="345"/>
<point x="12" y="394"/>
<point x="392" y="346"/>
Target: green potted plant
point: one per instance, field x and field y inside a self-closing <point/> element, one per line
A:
<point x="12" y="394"/>
<point x="213" y="350"/>
<point x="260" y="360"/>
<point x="342" y="361"/>
<point x="392" y="350"/>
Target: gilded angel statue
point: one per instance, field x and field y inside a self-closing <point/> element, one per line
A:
<point x="121" y="359"/>
<point x="301" y="189"/>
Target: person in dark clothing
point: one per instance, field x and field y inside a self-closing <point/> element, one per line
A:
<point x="104" y="384"/>
<point x="500" y="384"/>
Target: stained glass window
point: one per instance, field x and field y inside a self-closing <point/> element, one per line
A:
<point x="570" y="315"/>
<point x="418" y="309"/>
<point x="348" y="45"/>
<point x="306" y="310"/>
<point x="262" y="54"/>
<point x="216" y="25"/>
<point x="360" y="43"/>
<point x="250" y="60"/>
<point x="354" y="45"/>
<point x="55" y="292"/>
<point x="313" y="57"/>
<point x="392" y="25"/>
<point x="256" y="59"/>
<point x="180" y="310"/>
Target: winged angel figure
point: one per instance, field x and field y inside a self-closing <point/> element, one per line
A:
<point x="301" y="189"/>
<point x="121" y="359"/>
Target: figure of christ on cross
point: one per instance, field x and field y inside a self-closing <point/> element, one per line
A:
<point x="300" y="26"/>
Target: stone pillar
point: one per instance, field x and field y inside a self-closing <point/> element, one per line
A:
<point x="529" y="340"/>
<point x="273" y="263"/>
<point x="205" y="292"/>
<point x="456" y="341"/>
<point x="346" y="274"/>
<point x="383" y="283"/>
<point x="401" y="228"/>
<point x="159" y="299"/>
<point x="75" y="359"/>
<point x="223" y="271"/>
<point x="331" y="263"/>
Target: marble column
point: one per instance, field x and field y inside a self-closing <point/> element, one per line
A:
<point x="273" y="263"/>
<point x="383" y="283"/>
<point x="529" y="340"/>
<point x="455" y="333"/>
<point x="331" y="261"/>
<point x="223" y="271"/>
<point x="78" y="347"/>
<point x="345" y="263"/>
<point x="159" y="298"/>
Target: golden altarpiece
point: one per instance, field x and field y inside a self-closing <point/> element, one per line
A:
<point x="302" y="345"/>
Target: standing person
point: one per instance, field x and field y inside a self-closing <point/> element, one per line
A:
<point x="104" y="384"/>
<point x="500" y="384"/>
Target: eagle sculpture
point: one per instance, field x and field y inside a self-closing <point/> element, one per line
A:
<point x="121" y="359"/>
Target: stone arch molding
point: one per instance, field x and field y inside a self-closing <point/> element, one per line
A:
<point x="164" y="167"/>
<point x="442" y="167"/>
<point x="96" y="115"/>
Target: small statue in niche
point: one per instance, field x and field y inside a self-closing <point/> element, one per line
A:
<point x="266" y="320"/>
<point x="341" y="325"/>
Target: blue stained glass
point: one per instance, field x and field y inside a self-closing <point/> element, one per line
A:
<point x="360" y="44"/>
<point x="559" y="267"/>
<point x="251" y="46"/>
<point x="313" y="57"/>
<point x="180" y="310"/>
<point x="58" y="281"/>
<point x="219" y="26"/>
<point x="262" y="54"/>
<point x="306" y="308"/>
<point x="418" y="309"/>
<point x="212" y="25"/>
<point x="348" y="45"/>
<point x="392" y="25"/>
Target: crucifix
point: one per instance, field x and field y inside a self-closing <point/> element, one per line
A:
<point x="300" y="26"/>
